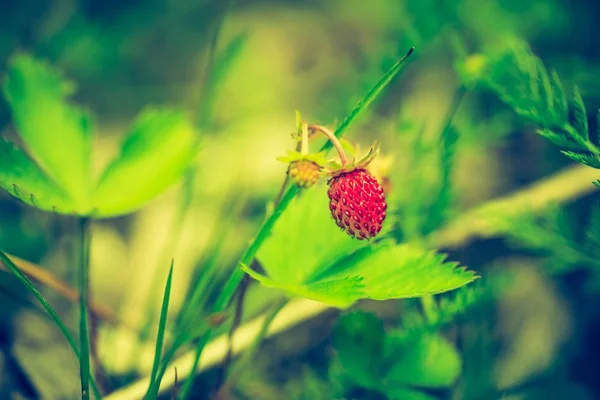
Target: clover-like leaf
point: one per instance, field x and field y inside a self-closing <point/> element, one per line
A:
<point x="57" y="134"/>
<point x="308" y="256"/>
<point x="427" y="361"/>
<point x="22" y="178"/>
<point x="155" y="153"/>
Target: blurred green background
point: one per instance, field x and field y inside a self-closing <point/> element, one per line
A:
<point x="241" y="68"/>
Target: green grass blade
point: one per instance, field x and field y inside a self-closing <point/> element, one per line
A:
<point x="84" y="334"/>
<point x="53" y="315"/>
<point x="368" y="99"/>
<point x="155" y="383"/>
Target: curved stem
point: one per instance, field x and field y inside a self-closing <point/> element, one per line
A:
<point x="333" y="139"/>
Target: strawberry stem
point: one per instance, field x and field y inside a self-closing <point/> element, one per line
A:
<point x="304" y="142"/>
<point x="334" y="140"/>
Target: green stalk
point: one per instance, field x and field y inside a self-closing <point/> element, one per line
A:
<point x="84" y="338"/>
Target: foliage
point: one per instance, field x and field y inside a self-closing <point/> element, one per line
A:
<point x="307" y="256"/>
<point x="56" y="175"/>
<point x="372" y="358"/>
<point x="521" y="80"/>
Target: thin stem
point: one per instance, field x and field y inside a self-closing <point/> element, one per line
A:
<point x="334" y="140"/>
<point x="84" y="340"/>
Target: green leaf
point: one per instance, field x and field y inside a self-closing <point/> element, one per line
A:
<point x="305" y="240"/>
<point x="57" y="134"/>
<point x="162" y="325"/>
<point x="156" y="152"/>
<point x="579" y="114"/>
<point x="341" y="292"/>
<point x="307" y="255"/>
<point x="429" y="361"/>
<point x="590" y="160"/>
<point x="359" y="340"/>
<point x="406" y="270"/>
<point x="23" y="179"/>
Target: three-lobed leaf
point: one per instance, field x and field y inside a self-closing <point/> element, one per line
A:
<point x="157" y="151"/>
<point x="23" y="179"/>
<point x="57" y="134"/>
<point x="56" y="174"/>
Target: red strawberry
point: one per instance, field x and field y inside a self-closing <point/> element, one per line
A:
<point x="357" y="203"/>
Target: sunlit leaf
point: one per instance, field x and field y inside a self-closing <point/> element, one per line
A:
<point x="57" y="134"/>
<point x="22" y="178"/>
<point x="340" y="292"/>
<point x="305" y="239"/>
<point x="154" y="155"/>
<point x="403" y="271"/>
<point x="307" y="255"/>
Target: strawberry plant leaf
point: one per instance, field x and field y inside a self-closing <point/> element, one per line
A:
<point x="22" y="178"/>
<point x="155" y="153"/>
<point x="305" y="240"/>
<point x="57" y="134"/>
<point x="406" y="270"/>
<point x="341" y="292"/>
<point x="428" y="361"/>
<point x="308" y="255"/>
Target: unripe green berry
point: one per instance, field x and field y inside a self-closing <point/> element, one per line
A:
<point x="304" y="173"/>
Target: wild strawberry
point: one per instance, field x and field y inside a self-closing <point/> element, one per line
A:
<point x="304" y="173"/>
<point x="357" y="203"/>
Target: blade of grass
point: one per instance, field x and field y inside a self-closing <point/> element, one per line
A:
<point x="369" y="98"/>
<point x="55" y="318"/>
<point x="199" y="294"/>
<point x="153" y="387"/>
<point x="84" y="335"/>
